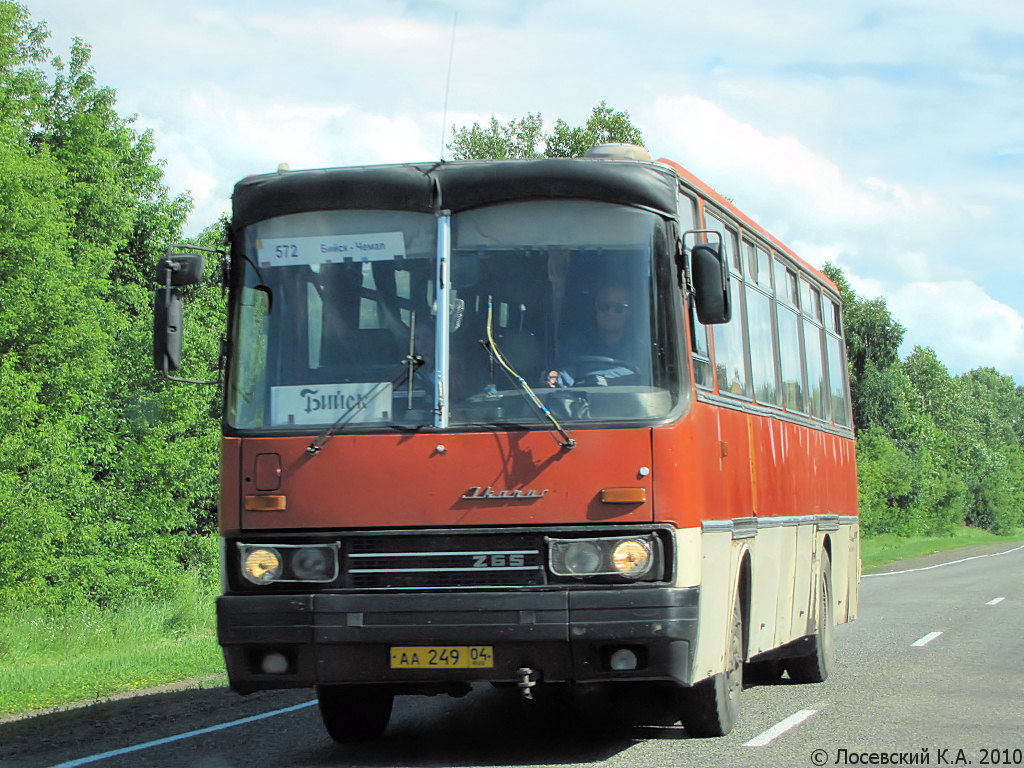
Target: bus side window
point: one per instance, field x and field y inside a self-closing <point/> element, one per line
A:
<point x="699" y="347"/>
<point x="837" y="371"/>
<point x="788" y="320"/>
<point x="814" y="351"/>
<point x="760" y="329"/>
<point x="701" y="352"/>
<point x="731" y="357"/>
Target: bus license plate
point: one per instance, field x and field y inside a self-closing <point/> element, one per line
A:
<point x="442" y="657"/>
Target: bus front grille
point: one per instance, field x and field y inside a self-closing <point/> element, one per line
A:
<point x="431" y="561"/>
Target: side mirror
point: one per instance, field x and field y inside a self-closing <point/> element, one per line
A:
<point x="167" y="329"/>
<point x="179" y="269"/>
<point x="172" y="271"/>
<point x="710" y="276"/>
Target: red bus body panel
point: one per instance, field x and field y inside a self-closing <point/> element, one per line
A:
<point x="383" y="481"/>
<point x="715" y="464"/>
<point x="719" y="464"/>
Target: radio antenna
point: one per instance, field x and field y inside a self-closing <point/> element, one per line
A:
<point x="448" y="84"/>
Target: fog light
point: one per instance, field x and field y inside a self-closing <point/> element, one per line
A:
<point x="623" y="660"/>
<point x="313" y="564"/>
<point x="274" y="664"/>
<point x="582" y="558"/>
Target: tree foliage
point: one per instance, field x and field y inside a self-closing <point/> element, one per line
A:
<point x="525" y="139"/>
<point x="934" y="451"/>
<point x="107" y="477"/>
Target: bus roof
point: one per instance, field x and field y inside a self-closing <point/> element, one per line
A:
<point x="463" y="184"/>
<point x="454" y="186"/>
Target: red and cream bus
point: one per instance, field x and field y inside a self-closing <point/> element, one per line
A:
<point x="561" y="421"/>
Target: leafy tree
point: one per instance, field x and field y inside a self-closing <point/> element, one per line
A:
<point x="524" y="139"/>
<point x="604" y="126"/>
<point x="106" y="475"/>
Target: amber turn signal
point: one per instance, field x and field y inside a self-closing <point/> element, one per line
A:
<point x="266" y="503"/>
<point x="624" y="495"/>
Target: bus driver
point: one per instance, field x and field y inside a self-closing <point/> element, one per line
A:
<point x="607" y="352"/>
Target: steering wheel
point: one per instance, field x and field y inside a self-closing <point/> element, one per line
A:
<point x="590" y="367"/>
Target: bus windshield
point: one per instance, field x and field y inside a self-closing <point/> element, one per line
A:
<point x="335" y="318"/>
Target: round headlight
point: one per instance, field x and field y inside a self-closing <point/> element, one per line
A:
<point x="262" y="565"/>
<point x="632" y="558"/>
<point x="582" y="558"/>
<point x="312" y="564"/>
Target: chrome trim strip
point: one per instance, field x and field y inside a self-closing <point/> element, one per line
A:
<point x="482" y="569"/>
<point x="448" y="554"/>
<point x="775" y="412"/>
<point x="744" y="528"/>
<point x="747" y="527"/>
<point x="828" y="522"/>
<point x="444" y="241"/>
<point x="710" y="526"/>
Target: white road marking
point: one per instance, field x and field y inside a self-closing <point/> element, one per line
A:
<point x="780" y="728"/>
<point x="942" y="565"/>
<point x="925" y="640"/>
<point x="995" y="601"/>
<point x="179" y="737"/>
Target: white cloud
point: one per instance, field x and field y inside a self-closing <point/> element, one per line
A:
<point x="965" y="326"/>
<point x="886" y="140"/>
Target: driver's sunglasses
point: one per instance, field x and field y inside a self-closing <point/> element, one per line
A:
<point x="612" y="306"/>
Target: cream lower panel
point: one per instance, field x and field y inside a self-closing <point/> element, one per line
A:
<point x="785" y="562"/>
<point x="711" y="560"/>
<point x="773" y="571"/>
<point x="845" y="572"/>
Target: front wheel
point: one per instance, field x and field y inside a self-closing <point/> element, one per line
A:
<point x="710" y="707"/>
<point x="815" y="666"/>
<point x="354" y="712"/>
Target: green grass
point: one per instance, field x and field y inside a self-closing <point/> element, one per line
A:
<point x="48" y="660"/>
<point x="883" y="549"/>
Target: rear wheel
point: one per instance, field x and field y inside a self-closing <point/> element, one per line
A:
<point x="815" y="666"/>
<point x="710" y="707"/>
<point x="354" y="712"/>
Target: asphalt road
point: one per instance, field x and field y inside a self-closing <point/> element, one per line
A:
<point x="952" y="697"/>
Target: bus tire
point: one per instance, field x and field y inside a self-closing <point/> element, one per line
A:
<point x="815" y="666"/>
<point x="710" y="707"/>
<point x="354" y="712"/>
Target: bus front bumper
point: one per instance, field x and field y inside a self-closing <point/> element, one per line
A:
<point x="297" y="641"/>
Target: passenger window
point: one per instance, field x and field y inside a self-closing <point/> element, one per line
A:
<point x="789" y="358"/>
<point x="762" y="347"/>
<point x="730" y="349"/>
<point x="821" y="405"/>
<point x="764" y="269"/>
<point x="729" y="241"/>
<point x="750" y="255"/>
<point x="837" y="380"/>
<point x="731" y="355"/>
<point x="701" y="353"/>
<point x="785" y="284"/>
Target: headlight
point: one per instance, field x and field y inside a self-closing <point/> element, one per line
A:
<point x="270" y="563"/>
<point x="630" y="557"/>
<point x="261" y="565"/>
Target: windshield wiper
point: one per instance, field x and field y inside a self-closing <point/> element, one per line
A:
<point x="409" y="366"/>
<point x="531" y="396"/>
<point x="380" y="388"/>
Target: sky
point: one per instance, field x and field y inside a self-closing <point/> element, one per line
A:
<point x="884" y="137"/>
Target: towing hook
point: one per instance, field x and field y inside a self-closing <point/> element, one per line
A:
<point x="527" y="682"/>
